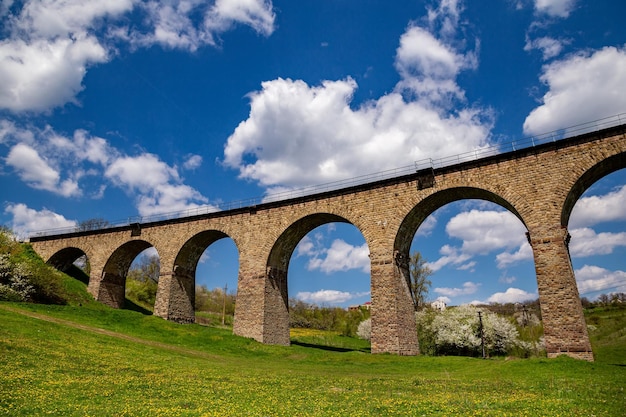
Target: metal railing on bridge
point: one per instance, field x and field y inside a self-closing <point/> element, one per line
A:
<point x="428" y="163"/>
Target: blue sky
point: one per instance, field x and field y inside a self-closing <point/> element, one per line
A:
<point x="120" y="108"/>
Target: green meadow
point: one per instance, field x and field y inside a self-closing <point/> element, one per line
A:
<point x="90" y="360"/>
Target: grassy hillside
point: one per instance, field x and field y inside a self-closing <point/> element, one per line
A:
<point x="91" y="360"/>
<point x="83" y="358"/>
<point x="607" y="331"/>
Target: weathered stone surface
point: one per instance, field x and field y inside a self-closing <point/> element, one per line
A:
<point x="539" y="185"/>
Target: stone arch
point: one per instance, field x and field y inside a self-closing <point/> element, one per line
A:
<point x="113" y="280"/>
<point x="64" y="259"/>
<point x="427" y="206"/>
<point x="176" y="295"/>
<point x="587" y="179"/>
<point x="417" y="215"/>
<point x="189" y="254"/>
<point x="276" y="294"/>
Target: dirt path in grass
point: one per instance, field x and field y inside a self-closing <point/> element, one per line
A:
<point x="109" y="333"/>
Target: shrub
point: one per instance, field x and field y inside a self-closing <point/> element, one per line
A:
<point x="24" y="273"/>
<point x="456" y="331"/>
<point x="365" y="329"/>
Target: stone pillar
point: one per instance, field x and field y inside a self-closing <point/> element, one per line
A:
<point x="176" y="296"/>
<point x="262" y="310"/>
<point x="564" y="327"/>
<point x="276" y="312"/>
<point x="393" y="315"/>
<point x="110" y="290"/>
<point x="249" y="316"/>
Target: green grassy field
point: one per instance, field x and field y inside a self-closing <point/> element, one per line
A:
<point x="91" y="360"/>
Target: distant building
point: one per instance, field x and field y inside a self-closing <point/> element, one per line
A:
<point x="365" y="306"/>
<point x="438" y="305"/>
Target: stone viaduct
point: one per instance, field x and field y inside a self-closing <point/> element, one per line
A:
<point x="539" y="185"/>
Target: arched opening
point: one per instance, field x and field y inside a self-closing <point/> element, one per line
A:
<point x="142" y="281"/>
<point x="209" y="261"/>
<point x="597" y="227"/>
<point x="325" y="259"/>
<point x="475" y="254"/>
<point x="112" y="286"/>
<point x="73" y="262"/>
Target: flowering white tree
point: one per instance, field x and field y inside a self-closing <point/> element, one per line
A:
<point x="365" y="329"/>
<point x="457" y="331"/>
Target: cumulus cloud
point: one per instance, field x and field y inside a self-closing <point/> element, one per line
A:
<point x="339" y="257"/>
<point x="586" y="242"/>
<point x="511" y="295"/>
<point x="158" y="187"/>
<point x="26" y="220"/>
<point x="450" y="256"/>
<point x="328" y="296"/>
<point x="40" y="74"/>
<point x="467" y="289"/>
<point x="548" y="46"/>
<point x="298" y="135"/>
<point x="483" y="232"/>
<point x="555" y="8"/>
<point x="505" y="259"/>
<point x="43" y="157"/>
<point x="583" y="87"/>
<point x="594" y="278"/>
<point x="51" y="44"/>
<point x="37" y="173"/>
<point x="192" y="162"/>
<point x="591" y="210"/>
<point x="191" y="24"/>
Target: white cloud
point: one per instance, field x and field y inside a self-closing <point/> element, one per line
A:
<point x="306" y="247"/>
<point x="176" y="23"/>
<point x="158" y="185"/>
<point x="26" y="220"/>
<point x="506" y="279"/>
<point x="192" y="162"/>
<point x="511" y="295"/>
<point x="51" y="43"/>
<point x="257" y="14"/>
<point x="42" y="157"/>
<point x="40" y="74"/>
<point x="328" y="296"/>
<point x="298" y="135"/>
<point x="468" y="288"/>
<point x="37" y="173"/>
<point x="341" y="256"/>
<point x="429" y="67"/>
<point x="593" y="278"/>
<point x="583" y="87"/>
<point x="555" y="8"/>
<point x="586" y="242"/>
<point x="485" y="231"/>
<point x="451" y="256"/>
<point x="548" y="46"/>
<point x="51" y="18"/>
<point x="427" y="227"/>
<point x="592" y="210"/>
<point x="524" y="253"/>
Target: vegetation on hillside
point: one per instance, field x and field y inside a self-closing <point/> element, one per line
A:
<point x="24" y="276"/>
<point x="335" y="319"/>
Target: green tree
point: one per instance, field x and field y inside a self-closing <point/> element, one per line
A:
<point x="419" y="283"/>
<point x="142" y="281"/>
